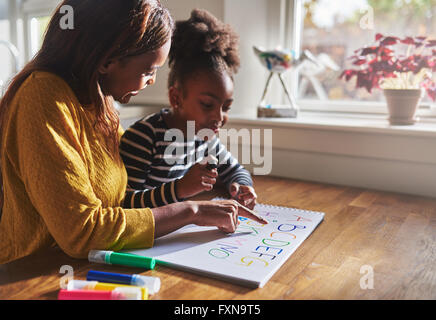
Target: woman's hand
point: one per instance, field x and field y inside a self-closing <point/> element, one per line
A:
<point x="222" y="214"/>
<point x="245" y="195"/>
<point x="198" y="179"/>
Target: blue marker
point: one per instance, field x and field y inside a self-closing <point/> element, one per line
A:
<point x="152" y="283"/>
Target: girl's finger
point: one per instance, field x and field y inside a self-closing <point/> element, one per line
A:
<point x="207" y="186"/>
<point x="211" y="173"/>
<point x="208" y="180"/>
<point x="234" y="189"/>
<point x="247" y="196"/>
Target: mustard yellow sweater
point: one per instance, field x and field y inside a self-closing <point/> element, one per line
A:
<point x="60" y="185"/>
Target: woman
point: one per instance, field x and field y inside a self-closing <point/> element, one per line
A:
<point x="62" y="178"/>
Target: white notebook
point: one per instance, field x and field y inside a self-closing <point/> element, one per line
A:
<point x="248" y="257"/>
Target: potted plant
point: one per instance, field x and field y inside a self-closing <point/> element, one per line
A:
<point x="402" y="68"/>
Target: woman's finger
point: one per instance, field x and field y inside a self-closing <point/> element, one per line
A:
<point x="245" y="212"/>
<point x="231" y="219"/>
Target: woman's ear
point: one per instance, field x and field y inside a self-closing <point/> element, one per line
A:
<point x="107" y="66"/>
<point x="174" y="97"/>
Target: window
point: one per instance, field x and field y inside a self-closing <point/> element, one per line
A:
<point x="38" y="25"/>
<point x="6" y="69"/>
<point x="333" y="29"/>
<point x="35" y="15"/>
<point x="22" y="27"/>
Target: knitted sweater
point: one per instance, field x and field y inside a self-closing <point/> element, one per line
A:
<point x="60" y="185"/>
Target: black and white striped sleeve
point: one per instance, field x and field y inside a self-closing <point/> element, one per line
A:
<point x="137" y="150"/>
<point x="229" y="169"/>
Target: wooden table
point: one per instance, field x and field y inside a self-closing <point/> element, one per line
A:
<point x="391" y="237"/>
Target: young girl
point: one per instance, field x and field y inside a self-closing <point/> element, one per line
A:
<point x="203" y="59"/>
<point x="62" y="178"/>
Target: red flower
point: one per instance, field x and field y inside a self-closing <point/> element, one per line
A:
<point x="389" y="41"/>
<point x="359" y="62"/>
<point x="431" y="43"/>
<point x="348" y="74"/>
<point x="369" y="50"/>
<point x="408" y="40"/>
<point x="381" y="62"/>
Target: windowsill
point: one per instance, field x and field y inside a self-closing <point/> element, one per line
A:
<point x="360" y="150"/>
<point x="335" y="121"/>
<point x="368" y="123"/>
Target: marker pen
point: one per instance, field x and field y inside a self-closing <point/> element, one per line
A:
<point x="116" y="294"/>
<point x="152" y="283"/>
<point x="211" y="162"/>
<point x="94" y="285"/>
<point x="124" y="259"/>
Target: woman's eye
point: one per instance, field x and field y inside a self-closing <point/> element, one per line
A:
<point x="207" y="105"/>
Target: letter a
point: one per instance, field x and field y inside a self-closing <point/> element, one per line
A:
<point x="67" y="21"/>
<point x="367" y="21"/>
<point x="367" y="280"/>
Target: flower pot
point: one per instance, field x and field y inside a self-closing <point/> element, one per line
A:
<point x="402" y="105"/>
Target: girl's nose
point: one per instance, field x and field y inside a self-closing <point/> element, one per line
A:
<point x="151" y="80"/>
<point x="219" y="115"/>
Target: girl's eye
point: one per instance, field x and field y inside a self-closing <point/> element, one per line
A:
<point x="148" y="74"/>
<point x="227" y="107"/>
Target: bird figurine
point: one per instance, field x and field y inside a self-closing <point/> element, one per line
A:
<point x="277" y="62"/>
<point x="310" y="72"/>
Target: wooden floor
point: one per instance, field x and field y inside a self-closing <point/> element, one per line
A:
<point x="389" y="238"/>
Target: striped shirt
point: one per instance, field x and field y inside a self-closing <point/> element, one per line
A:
<point x="154" y="164"/>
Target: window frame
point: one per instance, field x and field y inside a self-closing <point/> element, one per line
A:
<point x="294" y="24"/>
<point x="28" y="10"/>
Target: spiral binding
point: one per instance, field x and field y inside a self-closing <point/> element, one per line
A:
<point x="288" y="208"/>
<point x="263" y="205"/>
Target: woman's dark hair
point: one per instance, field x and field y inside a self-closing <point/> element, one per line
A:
<point x="102" y="30"/>
<point x="202" y="42"/>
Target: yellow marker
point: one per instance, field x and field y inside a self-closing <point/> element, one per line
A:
<point x="95" y="285"/>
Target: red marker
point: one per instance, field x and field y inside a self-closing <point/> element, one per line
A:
<point x="91" y="295"/>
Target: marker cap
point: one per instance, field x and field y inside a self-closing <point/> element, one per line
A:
<point x="124" y="259"/>
<point x="129" y="293"/>
<point x="152" y="283"/>
<point x="81" y="285"/>
<point x="210" y="161"/>
<point x="98" y="256"/>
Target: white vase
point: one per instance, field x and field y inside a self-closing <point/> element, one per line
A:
<point x="402" y="105"/>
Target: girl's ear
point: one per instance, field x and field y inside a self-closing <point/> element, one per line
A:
<point x="174" y="97"/>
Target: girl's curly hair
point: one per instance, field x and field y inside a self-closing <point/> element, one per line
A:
<point x="202" y="42"/>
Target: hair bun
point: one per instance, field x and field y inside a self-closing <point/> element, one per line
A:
<point x="203" y="34"/>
